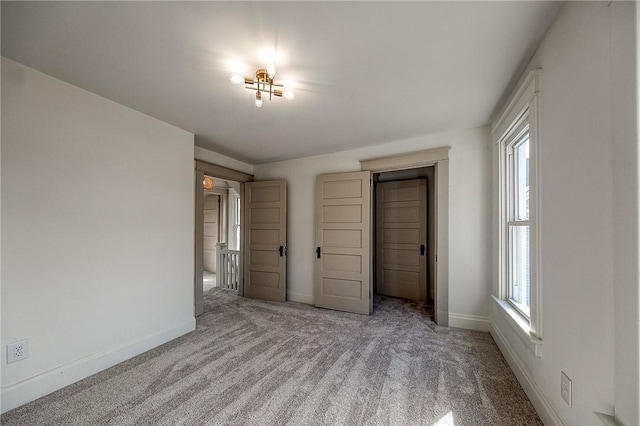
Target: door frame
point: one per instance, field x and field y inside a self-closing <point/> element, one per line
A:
<point x="202" y="168"/>
<point x="439" y="159"/>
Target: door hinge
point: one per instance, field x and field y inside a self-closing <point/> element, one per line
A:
<point x="370" y="182"/>
<point x="369" y="294"/>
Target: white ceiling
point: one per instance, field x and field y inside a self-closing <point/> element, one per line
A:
<point x="365" y="73"/>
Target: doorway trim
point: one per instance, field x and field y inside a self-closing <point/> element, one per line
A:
<point x="439" y="158"/>
<point x="203" y="168"/>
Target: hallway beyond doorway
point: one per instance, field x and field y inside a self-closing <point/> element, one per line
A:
<point x="208" y="280"/>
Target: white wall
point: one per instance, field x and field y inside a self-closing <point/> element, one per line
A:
<point x="576" y="222"/>
<point x="98" y="234"/>
<point x="469" y="285"/>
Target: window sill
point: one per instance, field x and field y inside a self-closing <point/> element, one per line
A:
<point x="520" y="326"/>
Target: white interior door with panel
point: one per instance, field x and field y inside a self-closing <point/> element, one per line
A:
<point x="401" y="239"/>
<point x="343" y="243"/>
<point x="265" y="219"/>
<point x="211" y="231"/>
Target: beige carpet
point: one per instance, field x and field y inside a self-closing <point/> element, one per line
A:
<point x="259" y="363"/>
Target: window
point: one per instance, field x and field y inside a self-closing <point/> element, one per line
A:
<point x="518" y="250"/>
<point x="235" y="208"/>
<point x="517" y="291"/>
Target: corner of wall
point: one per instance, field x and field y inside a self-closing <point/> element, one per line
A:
<point x="469" y="322"/>
<point x="540" y="402"/>
<point x="625" y="134"/>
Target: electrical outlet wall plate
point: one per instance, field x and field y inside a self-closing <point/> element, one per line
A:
<point x="17" y="351"/>
<point x="565" y="388"/>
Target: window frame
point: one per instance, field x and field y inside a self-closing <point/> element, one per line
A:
<point x="512" y="141"/>
<point x="235" y="220"/>
<point x="520" y="110"/>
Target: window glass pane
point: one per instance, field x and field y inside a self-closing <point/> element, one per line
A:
<point x="521" y="178"/>
<point x="519" y="268"/>
<point x="237" y="222"/>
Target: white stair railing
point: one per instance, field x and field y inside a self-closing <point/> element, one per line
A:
<point x="228" y="273"/>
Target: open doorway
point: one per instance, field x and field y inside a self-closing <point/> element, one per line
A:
<point x="438" y="159"/>
<point x="211" y="237"/>
<point x="345" y="237"/>
<point x="221" y="234"/>
<point x="251" y="214"/>
<point x="404" y="235"/>
<point x="222" y="192"/>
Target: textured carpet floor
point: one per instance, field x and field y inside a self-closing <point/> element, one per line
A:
<point x="259" y="363"/>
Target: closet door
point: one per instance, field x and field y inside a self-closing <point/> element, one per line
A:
<point x="343" y="229"/>
<point x="401" y="239"/>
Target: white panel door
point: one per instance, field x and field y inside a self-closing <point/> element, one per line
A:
<point x="343" y="228"/>
<point x="401" y="239"/>
<point x="265" y="261"/>
<point x="211" y="231"/>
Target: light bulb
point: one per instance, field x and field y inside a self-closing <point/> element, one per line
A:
<point x="289" y="95"/>
<point x="258" y="99"/>
<point x="236" y="78"/>
<point x="271" y="69"/>
<point x="208" y="183"/>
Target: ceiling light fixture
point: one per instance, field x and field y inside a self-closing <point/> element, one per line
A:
<point x="263" y="83"/>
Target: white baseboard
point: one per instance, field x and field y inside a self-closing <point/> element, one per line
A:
<point x="300" y="297"/>
<point x="540" y="402"/>
<point x="43" y="384"/>
<point x="470" y="322"/>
